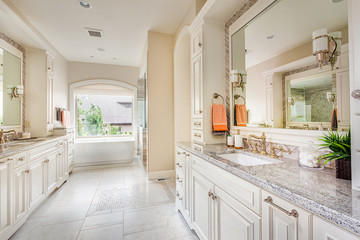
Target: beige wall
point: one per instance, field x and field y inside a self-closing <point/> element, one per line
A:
<point x="79" y="71"/>
<point x="255" y="87"/>
<point x="160" y="100"/>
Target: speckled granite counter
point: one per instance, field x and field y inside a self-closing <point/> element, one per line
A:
<point x="315" y="190"/>
<point x="15" y="147"/>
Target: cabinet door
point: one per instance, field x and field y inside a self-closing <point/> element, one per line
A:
<point x="52" y="176"/>
<point x="202" y="205"/>
<point x="197" y="41"/>
<point x="343" y="99"/>
<point x="5" y="197"/>
<point x="20" y="193"/>
<point x="234" y="221"/>
<point x="323" y="230"/>
<point x="61" y="168"/>
<point x="36" y="183"/>
<point x="269" y="105"/>
<point x="197" y="86"/>
<point x="278" y="225"/>
<point x="187" y="185"/>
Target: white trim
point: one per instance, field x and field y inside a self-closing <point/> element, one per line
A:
<point x="17" y="53"/>
<point x="185" y="31"/>
<point x="102" y="81"/>
<point x="161" y="174"/>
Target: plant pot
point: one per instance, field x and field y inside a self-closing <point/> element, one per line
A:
<point x="343" y="169"/>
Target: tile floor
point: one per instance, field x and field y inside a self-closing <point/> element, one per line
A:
<point x="113" y="203"/>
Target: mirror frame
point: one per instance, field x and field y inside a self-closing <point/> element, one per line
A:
<point x="249" y="14"/>
<point x="17" y="50"/>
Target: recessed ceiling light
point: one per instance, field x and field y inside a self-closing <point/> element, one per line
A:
<point x="101" y="50"/>
<point x="114" y="58"/>
<point x="84" y="4"/>
<point x="92" y="56"/>
<point x="270" y="36"/>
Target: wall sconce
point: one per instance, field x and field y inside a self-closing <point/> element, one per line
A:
<point x="291" y="101"/>
<point x="15" y="92"/>
<point x="238" y="78"/>
<point x="330" y="97"/>
<point x="326" y="46"/>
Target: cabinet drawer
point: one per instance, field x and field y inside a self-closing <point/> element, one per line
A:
<point x="198" y="136"/>
<point x="179" y="166"/>
<point x="198" y="124"/>
<point x="180" y="153"/>
<point x="180" y="181"/>
<point x="43" y="150"/>
<point x="198" y="147"/>
<point x="20" y="160"/>
<point x="283" y="220"/>
<point x="327" y="230"/>
<point x="246" y="193"/>
<point x="197" y="41"/>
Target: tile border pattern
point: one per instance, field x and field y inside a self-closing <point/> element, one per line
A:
<point x="16" y="45"/>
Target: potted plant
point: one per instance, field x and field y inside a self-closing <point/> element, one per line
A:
<point x="340" y="145"/>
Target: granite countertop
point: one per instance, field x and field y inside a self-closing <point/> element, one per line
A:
<point x="316" y="190"/>
<point x="18" y="146"/>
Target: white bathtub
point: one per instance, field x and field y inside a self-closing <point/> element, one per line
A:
<point x="97" y="151"/>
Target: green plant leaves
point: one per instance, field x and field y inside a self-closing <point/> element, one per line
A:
<point x="339" y="144"/>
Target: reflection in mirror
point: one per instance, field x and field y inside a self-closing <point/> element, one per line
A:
<point x="10" y="88"/>
<point x="277" y="43"/>
<point x="308" y="99"/>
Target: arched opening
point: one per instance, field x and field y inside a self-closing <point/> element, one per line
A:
<point x="104" y="115"/>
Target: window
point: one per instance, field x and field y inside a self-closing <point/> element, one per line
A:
<point x="104" y="110"/>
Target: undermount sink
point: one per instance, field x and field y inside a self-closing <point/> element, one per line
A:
<point x="247" y="160"/>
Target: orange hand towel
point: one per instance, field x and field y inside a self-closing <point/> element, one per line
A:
<point x="241" y="114"/>
<point x="63" y="118"/>
<point x="219" y="118"/>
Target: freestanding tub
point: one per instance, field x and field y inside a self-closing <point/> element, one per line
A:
<point x="98" y="151"/>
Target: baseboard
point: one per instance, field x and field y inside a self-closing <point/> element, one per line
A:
<point x="161" y="174"/>
<point x="101" y="166"/>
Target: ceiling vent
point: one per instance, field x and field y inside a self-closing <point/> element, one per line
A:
<point x="96" y="33"/>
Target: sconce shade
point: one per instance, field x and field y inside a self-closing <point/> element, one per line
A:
<point x="20" y="89"/>
<point x="320" y="41"/>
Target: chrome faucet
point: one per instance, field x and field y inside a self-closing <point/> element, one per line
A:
<point x="3" y="133"/>
<point x="263" y="142"/>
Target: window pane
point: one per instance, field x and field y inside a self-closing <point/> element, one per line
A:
<point x="99" y="115"/>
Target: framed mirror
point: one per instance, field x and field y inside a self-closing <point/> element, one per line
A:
<point x="11" y="84"/>
<point x="269" y="48"/>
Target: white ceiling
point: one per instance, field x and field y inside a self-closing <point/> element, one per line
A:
<point x="125" y="24"/>
<point x="292" y="23"/>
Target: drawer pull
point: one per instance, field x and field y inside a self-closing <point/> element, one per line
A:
<point x="180" y="180"/>
<point x="46" y="161"/>
<point x="178" y="153"/>
<point x="21" y="159"/>
<point x="178" y="196"/>
<point x="197" y="135"/>
<point x="27" y="171"/>
<point x="179" y="165"/>
<point x="197" y="124"/>
<point x="293" y="212"/>
<point x="187" y="154"/>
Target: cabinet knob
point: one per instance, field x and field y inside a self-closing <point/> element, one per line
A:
<point x="27" y="171"/>
<point x="201" y="111"/>
<point x="199" y="44"/>
<point x="356" y="94"/>
<point x="21" y="159"/>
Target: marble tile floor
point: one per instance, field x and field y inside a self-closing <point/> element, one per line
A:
<point x="111" y="203"/>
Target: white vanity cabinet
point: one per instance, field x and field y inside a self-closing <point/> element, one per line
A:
<point x="206" y="77"/>
<point x="6" y="192"/>
<point x="27" y="179"/>
<point x="323" y="230"/>
<point x="283" y="220"/>
<point x="39" y="91"/>
<point x="219" y="216"/>
<point x="183" y="183"/>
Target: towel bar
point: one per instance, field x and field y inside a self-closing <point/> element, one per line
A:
<point x="239" y="96"/>
<point x="215" y="96"/>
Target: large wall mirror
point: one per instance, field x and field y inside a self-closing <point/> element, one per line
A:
<point x="11" y="85"/>
<point x="276" y="81"/>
